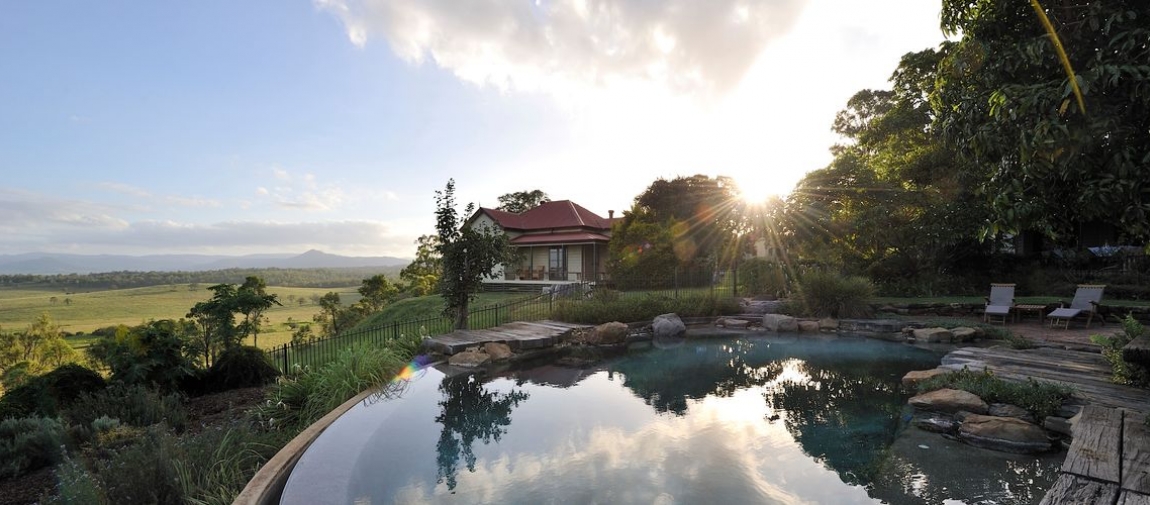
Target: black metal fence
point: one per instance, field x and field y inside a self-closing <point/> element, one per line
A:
<point x="314" y="353"/>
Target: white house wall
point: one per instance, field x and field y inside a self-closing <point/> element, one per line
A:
<point x="574" y="262"/>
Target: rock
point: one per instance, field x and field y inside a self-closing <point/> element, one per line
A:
<point x="949" y="401"/>
<point x="936" y="425"/>
<point x="470" y="358"/>
<point x="933" y="335"/>
<point x="498" y="351"/>
<point x="1006" y="434"/>
<point x="914" y="377"/>
<point x="762" y="306"/>
<point x="964" y="334"/>
<point x="828" y="324"/>
<point x="668" y="325"/>
<point x="1068" y="410"/>
<point x="1008" y="410"/>
<point x="734" y="324"/>
<point x="1060" y="425"/>
<point x="809" y="326"/>
<point x="779" y="322"/>
<point x="608" y="334"/>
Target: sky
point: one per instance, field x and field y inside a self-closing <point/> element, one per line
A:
<point x="278" y="126"/>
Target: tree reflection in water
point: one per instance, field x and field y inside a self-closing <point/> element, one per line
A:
<point x="469" y="412"/>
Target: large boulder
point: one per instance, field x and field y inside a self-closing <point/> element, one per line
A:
<point x="809" y="326"/>
<point x="913" y="377"/>
<point x="964" y="334"/>
<point x="668" y="326"/>
<point x="1008" y="410"/>
<point x="829" y="324"/>
<point x="470" y="358"/>
<point x="949" y="401"/>
<point x="608" y="334"/>
<point x="734" y="324"/>
<point x="498" y="351"/>
<point x="1008" y="434"/>
<point x="933" y="335"/>
<point x="779" y="322"/>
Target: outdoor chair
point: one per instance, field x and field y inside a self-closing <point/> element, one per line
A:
<point x="1085" y="301"/>
<point x="1000" y="302"/>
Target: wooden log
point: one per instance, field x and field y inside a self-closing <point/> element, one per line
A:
<point x="1073" y="489"/>
<point x="1136" y="453"/>
<point x="1095" y="452"/>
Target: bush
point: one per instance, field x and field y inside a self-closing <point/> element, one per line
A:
<point x="29" y="443"/>
<point x="824" y="294"/>
<point x="1124" y="372"/>
<point x="1039" y="398"/>
<point x="47" y="394"/>
<point x="610" y="307"/>
<point x="241" y="367"/>
<point x="133" y="405"/>
<point x="75" y="485"/>
<point x="296" y="402"/>
<point x="763" y="277"/>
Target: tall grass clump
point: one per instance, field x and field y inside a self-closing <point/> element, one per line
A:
<point x="827" y="294"/>
<point x="134" y="405"/>
<point x="1124" y="372"/>
<point x="1038" y="397"/>
<point x="299" y="400"/>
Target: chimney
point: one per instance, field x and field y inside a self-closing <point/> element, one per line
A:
<point x="610" y="214"/>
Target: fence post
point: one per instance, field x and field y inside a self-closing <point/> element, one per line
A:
<point x="675" y="282"/>
<point x="285" y="369"/>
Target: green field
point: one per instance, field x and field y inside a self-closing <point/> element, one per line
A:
<point x="87" y="311"/>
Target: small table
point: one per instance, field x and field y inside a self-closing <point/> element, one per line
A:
<point x="1038" y="310"/>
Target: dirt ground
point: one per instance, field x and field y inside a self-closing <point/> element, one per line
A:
<point x="203" y="412"/>
<point x="1077" y="337"/>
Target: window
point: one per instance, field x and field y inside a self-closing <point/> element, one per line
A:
<point x="557" y="262"/>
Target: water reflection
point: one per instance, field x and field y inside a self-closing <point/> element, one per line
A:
<point x="469" y="413"/>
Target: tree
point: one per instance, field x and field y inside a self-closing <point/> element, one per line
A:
<point x="640" y="251"/>
<point x="469" y="254"/>
<point x="328" y="317"/>
<point x="705" y="214"/>
<point x="252" y="300"/>
<point x="422" y="274"/>
<point x="216" y="321"/>
<point x="377" y="292"/>
<point x="522" y="201"/>
<point x="1004" y="102"/>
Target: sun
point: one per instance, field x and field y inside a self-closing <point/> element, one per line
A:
<point x="760" y="187"/>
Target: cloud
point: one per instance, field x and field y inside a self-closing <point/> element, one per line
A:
<point x="327" y="235"/>
<point x="302" y="192"/>
<point x="146" y="196"/>
<point x="687" y="46"/>
<point x="28" y="214"/>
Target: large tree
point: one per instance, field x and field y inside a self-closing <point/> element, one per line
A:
<point x="522" y="201"/>
<point x="422" y="274"/>
<point x="252" y="300"/>
<point x="469" y="254"/>
<point x="705" y="214"/>
<point x="1005" y="103"/>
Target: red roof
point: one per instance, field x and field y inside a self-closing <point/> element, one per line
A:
<point x="548" y="216"/>
<point x="557" y="238"/>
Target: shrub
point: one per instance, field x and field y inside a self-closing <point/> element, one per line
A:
<point x="763" y="277"/>
<point x="29" y="443"/>
<point x="142" y="472"/>
<point x="241" y="367"/>
<point x="1039" y="398"/>
<point x="214" y="466"/>
<point x="152" y="354"/>
<point x="75" y="485"/>
<point x="1123" y="372"/>
<point x="133" y="405"/>
<point x="301" y="400"/>
<point x="45" y="395"/>
<point x="825" y="294"/>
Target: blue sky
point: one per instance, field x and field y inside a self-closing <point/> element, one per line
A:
<point x="280" y="126"/>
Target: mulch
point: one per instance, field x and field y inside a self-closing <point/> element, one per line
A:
<point x="204" y="412"/>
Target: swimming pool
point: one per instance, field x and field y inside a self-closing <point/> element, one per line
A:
<point x="753" y="419"/>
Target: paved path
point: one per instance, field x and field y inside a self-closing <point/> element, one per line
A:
<point x="522" y="335"/>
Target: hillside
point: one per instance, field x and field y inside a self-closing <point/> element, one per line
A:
<point x="56" y="263"/>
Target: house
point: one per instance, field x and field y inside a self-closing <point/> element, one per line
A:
<point x="556" y="242"/>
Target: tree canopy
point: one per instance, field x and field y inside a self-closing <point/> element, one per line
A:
<point x="522" y="201"/>
<point x="468" y="253"/>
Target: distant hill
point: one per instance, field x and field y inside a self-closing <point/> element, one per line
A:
<point x="54" y="263"/>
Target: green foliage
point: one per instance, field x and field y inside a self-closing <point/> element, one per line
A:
<point x="641" y="251"/>
<point x="75" y="485"/>
<point x="215" y="466"/>
<point x="1038" y="397"/>
<point x="603" y="308"/>
<point x="705" y="215"/>
<point x="423" y="273"/>
<point x="377" y="292"/>
<point x="1133" y="374"/>
<point x="39" y="348"/>
<point x="1004" y="102"/>
<point x="469" y="254"/>
<point x="29" y="443"/>
<point x="522" y="201"/>
<point x="152" y="353"/>
<point x="241" y="367"/>
<point x="826" y="294"/>
<point x="762" y="277"/>
<point x="47" y="394"/>
<point x="297" y="401"/>
<point x="133" y="405"/>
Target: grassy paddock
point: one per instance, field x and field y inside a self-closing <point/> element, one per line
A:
<point x="87" y="311"/>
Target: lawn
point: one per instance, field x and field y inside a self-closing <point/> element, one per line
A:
<point x="87" y="311"/>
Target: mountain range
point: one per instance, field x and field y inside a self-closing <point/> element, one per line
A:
<point x="56" y="263"/>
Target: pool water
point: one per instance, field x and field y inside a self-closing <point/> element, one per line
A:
<point x="734" y="420"/>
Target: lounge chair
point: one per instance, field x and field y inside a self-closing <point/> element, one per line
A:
<point x="1000" y="302"/>
<point x="1085" y="300"/>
